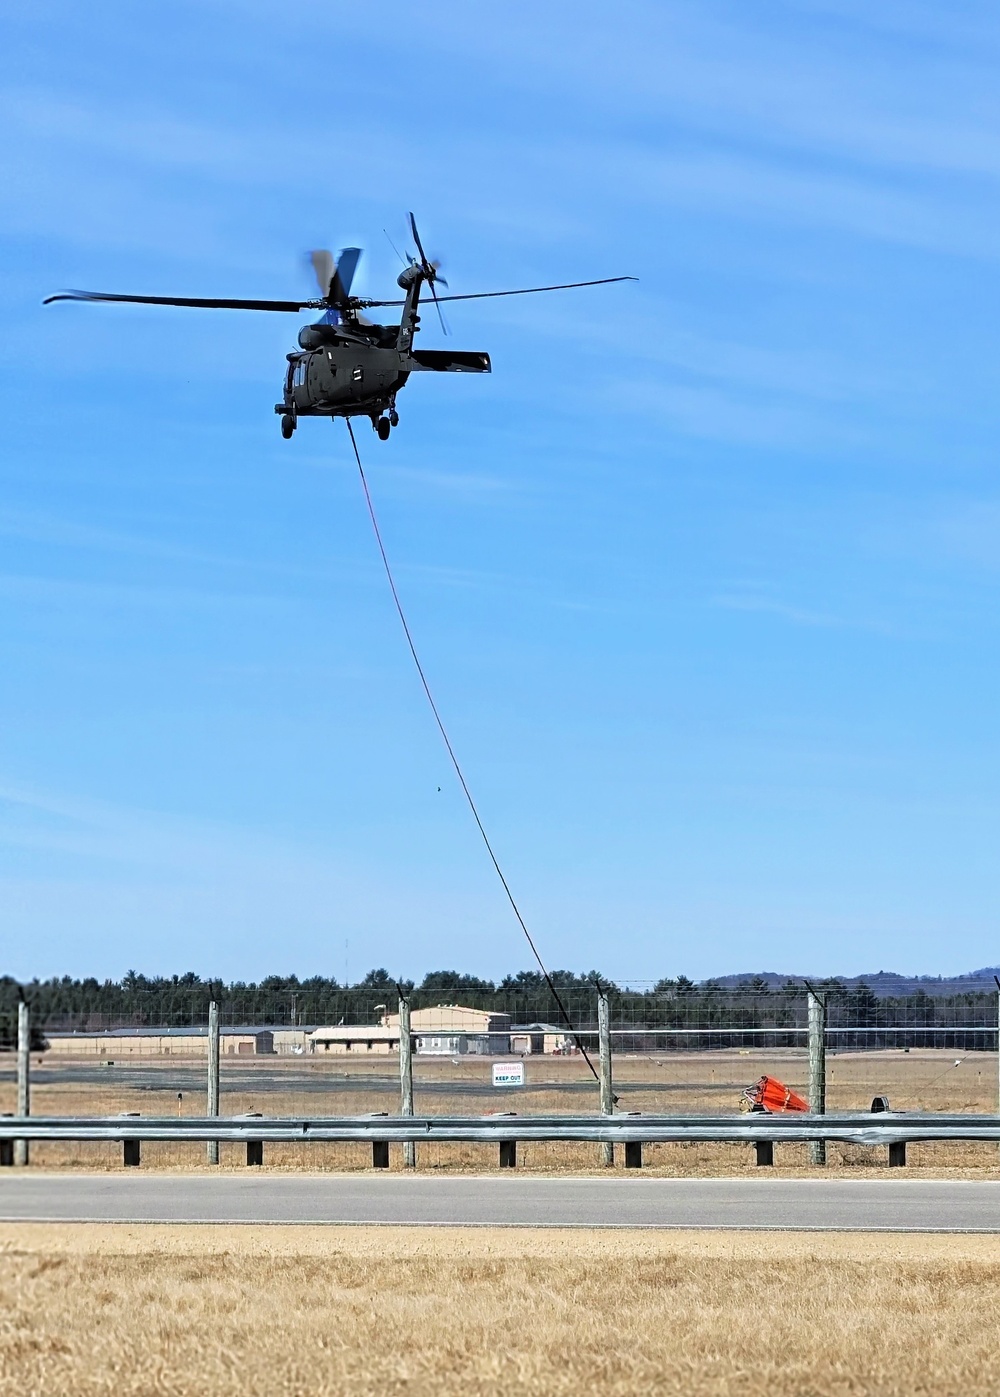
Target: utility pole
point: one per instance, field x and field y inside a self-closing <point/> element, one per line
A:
<point x="607" y="1090"/>
<point x="817" y="1069"/>
<point x="213" y="1075"/>
<point x="406" y="1077"/>
<point x="23" y="1075"/>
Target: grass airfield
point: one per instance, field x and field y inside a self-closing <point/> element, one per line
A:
<point x="681" y="1083"/>
<point x="95" y="1309"/>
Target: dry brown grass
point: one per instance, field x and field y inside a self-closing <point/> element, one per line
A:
<point x="127" y="1310"/>
<point x="678" y="1083"/>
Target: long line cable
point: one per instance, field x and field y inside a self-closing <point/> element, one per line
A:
<point x="454" y="759"/>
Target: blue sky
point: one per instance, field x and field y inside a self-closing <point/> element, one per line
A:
<point x="705" y="575"/>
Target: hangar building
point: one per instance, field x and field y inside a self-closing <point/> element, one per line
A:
<point x="446" y="1030"/>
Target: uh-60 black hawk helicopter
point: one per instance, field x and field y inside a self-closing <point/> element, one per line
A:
<point x="347" y="366"/>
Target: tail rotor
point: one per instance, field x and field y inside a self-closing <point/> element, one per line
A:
<point x="430" y="272"/>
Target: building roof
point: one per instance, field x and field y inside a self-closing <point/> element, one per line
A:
<point x="188" y="1031"/>
<point x="339" y="1032"/>
<point x="455" y="1018"/>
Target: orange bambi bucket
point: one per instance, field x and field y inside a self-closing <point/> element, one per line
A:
<point x="773" y="1096"/>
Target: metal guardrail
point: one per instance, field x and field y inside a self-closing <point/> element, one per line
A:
<point x="860" y="1128"/>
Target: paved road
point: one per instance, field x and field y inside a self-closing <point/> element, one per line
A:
<point x="190" y="1077"/>
<point x="803" y="1205"/>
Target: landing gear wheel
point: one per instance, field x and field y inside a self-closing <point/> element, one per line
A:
<point x="287" y="425"/>
<point x="394" y="418"/>
<point x="383" y="426"/>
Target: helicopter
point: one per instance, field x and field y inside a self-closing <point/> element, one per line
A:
<point x="346" y="365"/>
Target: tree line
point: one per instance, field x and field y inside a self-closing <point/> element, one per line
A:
<point x="695" y="1010"/>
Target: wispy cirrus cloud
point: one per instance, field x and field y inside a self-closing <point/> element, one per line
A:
<point x="798" y="614"/>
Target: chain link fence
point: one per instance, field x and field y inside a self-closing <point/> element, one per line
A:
<point x="665" y="1016"/>
<point x="315" y="1048"/>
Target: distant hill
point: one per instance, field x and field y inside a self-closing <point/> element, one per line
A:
<point x="886" y="983"/>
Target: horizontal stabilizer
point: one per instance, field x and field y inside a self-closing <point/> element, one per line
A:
<point x="458" y="361"/>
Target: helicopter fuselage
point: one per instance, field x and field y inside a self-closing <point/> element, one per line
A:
<point x="356" y="371"/>
<point x="342" y="380"/>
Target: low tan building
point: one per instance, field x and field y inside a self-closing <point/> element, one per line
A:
<point x="528" y="1039"/>
<point x="359" y="1040"/>
<point x="119" y="1043"/>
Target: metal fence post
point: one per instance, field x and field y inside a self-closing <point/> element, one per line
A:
<point x="406" y="1078"/>
<point x="131" y="1149"/>
<point x="23" y="1076"/>
<point x="255" y="1148"/>
<point x="380" y="1148"/>
<point x="607" y="1089"/>
<point x="508" y="1149"/>
<point x="817" y="1070"/>
<point x="633" y="1149"/>
<point x="213" y="1075"/>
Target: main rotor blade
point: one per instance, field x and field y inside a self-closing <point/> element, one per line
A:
<point x="323" y="266"/>
<point x="531" y="290"/>
<point x="343" y="274"/>
<point x="522" y="291"/>
<point x="207" y="303"/>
